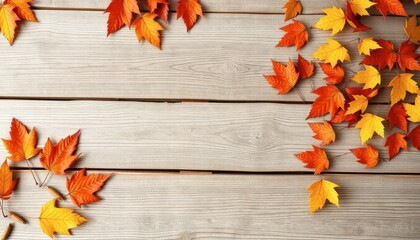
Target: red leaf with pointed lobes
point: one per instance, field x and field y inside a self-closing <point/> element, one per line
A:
<point x="368" y="155"/>
<point x="407" y="56"/>
<point x="315" y="159"/>
<point x="330" y="100"/>
<point x="414" y="136"/>
<point x="296" y="34"/>
<point x="392" y="6"/>
<point x="120" y="13"/>
<point x="335" y="74"/>
<point x="305" y="69"/>
<point x="382" y="57"/>
<point x="189" y="10"/>
<point x="397" y="116"/>
<point x="394" y="143"/>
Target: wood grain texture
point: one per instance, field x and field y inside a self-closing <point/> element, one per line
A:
<point x="67" y="55"/>
<point x="164" y="206"/>
<point x="193" y="136"/>
<point x="237" y="6"/>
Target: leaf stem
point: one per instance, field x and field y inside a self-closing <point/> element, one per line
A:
<point x="46" y="177"/>
<point x="340" y="155"/>
<point x="32" y="171"/>
<point x="2" y="210"/>
<point x="300" y="95"/>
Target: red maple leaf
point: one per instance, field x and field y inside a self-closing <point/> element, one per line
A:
<point x="304" y="68"/>
<point x="394" y="143"/>
<point x="414" y="136"/>
<point x="335" y="74"/>
<point x="330" y="100"/>
<point x="397" y="116"/>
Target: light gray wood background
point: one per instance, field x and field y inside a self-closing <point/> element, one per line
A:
<point x="201" y="105"/>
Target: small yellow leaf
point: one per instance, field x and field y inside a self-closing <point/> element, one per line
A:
<point x="401" y="84"/>
<point x="148" y="28"/>
<point x="413" y="111"/>
<point x="320" y="191"/>
<point x="332" y="52"/>
<point x="8" y="20"/>
<point x="360" y="6"/>
<point x="369" y="124"/>
<point x="334" y="20"/>
<point x="360" y="103"/>
<point x="412" y="29"/>
<point x="366" y="45"/>
<point x="370" y="77"/>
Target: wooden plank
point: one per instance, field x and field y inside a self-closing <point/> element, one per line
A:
<point x="237" y="6"/>
<point x="69" y="56"/>
<point x="193" y="136"/>
<point x="138" y="206"/>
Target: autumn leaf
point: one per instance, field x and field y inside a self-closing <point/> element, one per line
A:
<point x="397" y="116"/>
<point x="335" y="75"/>
<point x="8" y="19"/>
<point x="412" y="29"/>
<point x="148" y="28"/>
<point x="22" y="9"/>
<point x="414" y="136"/>
<point x="58" y="158"/>
<point x="369" y="124"/>
<point x="320" y="191"/>
<point x="332" y="52"/>
<point x="368" y="155"/>
<point x="360" y="6"/>
<point x="296" y="34"/>
<point x="391" y="6"/>
<point x="368" y="93"/>
<point x="330" y="99"/>
<point x="189" y="10"/>
<point x="366" y="45"/>
<point x="120" y="13"/>
<point x="293" y="8"/>
<point x="162" y="11"/>
<point x="360" y="103"/>
<point x="354" y="20"/>
<point x="394" y="143"/>
<point x="385" y="56"/>
<point x="370" y="77"/>
<point x="153" y="4"/>
<point x="334" y="20"/>
<point x="22" y="145"/>
<point x="413" y="110"/>
<point x="323" y="131"/>
<point x="316" y="159"/>
<point x="60" y="220"/>
<point x="341" y="116"/>
<point x="401" y="84"/>
<point x="7" y="183"/>
<point x="285" y="77"/>
<point x="305" y="69"/>
<point x="407" y="56"/>
<point x="82" y="188"/>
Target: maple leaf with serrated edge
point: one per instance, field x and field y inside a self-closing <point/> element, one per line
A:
<point x="366" y="45"/>
<point x="414" y="136"/>
<point x="412" y="29"/>
<point x="360" y="6"/>
<point x="369" y="124"/>
<point x="407" y="56"/>
<point x="397" y="116"/>
<point x="22" y="9"/>
<point x="360" y="103"/>
<point x="296" y="34"/>
<point x="316" y="159"/>
<point x="320" y="191"/>
<point x="323" y="131"/>
<point x="391" y="6"/>
<point x="413" y="110"/>
<point x="305" y="69"/>
<point x="82" y="188"/>
<point x="188" y="10"/>
<point x="335" y="75"/>
<point x="368" y="156"/>
<point x="293" y="8"/>
<point x="120" y="14"/>
<point x="401" y="84"/>
<point x="8" y="19"/>
<point x="7" y="183"/>
<point x="334" y="20"/>
<point x="285" y="77"/>
<point x="370" y="77"/>
<point x="330" y="99"/>
<point x="395" y="143"/>
<point x="332" y="52"/>
<point x="148" y="28"/>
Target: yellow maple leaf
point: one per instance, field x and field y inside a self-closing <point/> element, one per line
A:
<point x="413" y="110"/>
<point x="370" y="77"/>
<point x="401" y="84"/>
<point x="60" y="220"/>
<point x="148" y="28"/>
<point x="412" y="30"/>
<point x="360" y="6"/>
<point x="320" y="191"/>
<point x="332" y="52"/>
<point x="366" y="45"/>
<point x="334" y="20"/>
<point x="369" y="124"/>
<point x="8" y="20"/>
<point x="360" y="103"/>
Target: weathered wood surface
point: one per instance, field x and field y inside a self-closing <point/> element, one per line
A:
<point x="67" y="55"/>
<point x="174" y="206"/>
<point x="193" y="136"/>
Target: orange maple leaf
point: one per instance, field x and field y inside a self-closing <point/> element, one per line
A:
<point x="305" y="69"/>
<point x="82" y="188"/>
<point x="162" y="11"/>
<point x="414" y="136"/>
<point x="285" y="77"/>
<point x="148" y="28"/>
<point x="397" y="116"/>
<point x="392" y="6"/>
<point x="293" y="8"/>
<point x="368" y="155"/>
<point x="189" y="10"/>
<point x="7" y="184"/>
<point x="323" y="131"/>
<point x="22" y="9"/>
<point x="58" y="158"/>
<point x="335" y="75"/>
<point x="330" y="100"/>
<point x="394" y="143"/>
<point x="153" y="4"/>
<point x="120" y="13"/>
<point x="296" y="34"/>
<point x="315" y="159"/>
<point x="21" y="145"/>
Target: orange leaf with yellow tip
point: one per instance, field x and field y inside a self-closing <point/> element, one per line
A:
<point x="22" y="145"/>
<point x="23" y="9"/>
<point x="368" y="155"/>
<point x="8" y="19"/>
<point x="316" y="159"/>
<point x="293" y="8"/>
<point x="58" y="158"/>
<point x="394" y="143"/>
<point x="189" y="10"/>
<point x="148" y="28"/>
<point x="320" y="191"/>
<point x="82" y="188"/>
<point x="324" y="132"/>
<point x="296" y="34"/>
<point x="120" y="14"/>
<point x="285" y="77"/>
<point x="7" y="183"/>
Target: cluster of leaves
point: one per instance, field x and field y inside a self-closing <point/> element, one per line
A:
<point x="11" y="12"/>
<point x="56" y="159"/>
<point x="351" y="107"/>
<point x="122" y="12"/>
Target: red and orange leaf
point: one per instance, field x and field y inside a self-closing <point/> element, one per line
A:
<point x="316" y="159"/>
<point x="82" y="188"/>
<point x="341" y="116"/>
<point x="285" y="77"/>
<point x="397" y="116"/>
<point x="392" y="6"/>
<point x="330" y="100"/>
<point x="148" y="28"/>
<point x="324" y="132"/>
<point x="162" y="11"/>
<point x="22" y="145"/>
<point x="354" y="20"/>
<point x="305" y="69"/>
<point x="414" y="136"/>
<point x="368" y="93"/>
<point x="382" y="57"/>
<point x="368" y="155"/>
<point x="296" y="34"/>
<point x="189" y="10"/>
<point x="407" y="56"/>
<point x="335" y="74"/>
<point x="153" y="4"/>
<point x="58" y="158"/>
<point x="120" y="13"/>
<point x="8" y="19"/>
<point x="7" y="184"/>
<point x="394" y="143"/>
<point x="293" y="8"/>
<point x="22" y="9"/>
